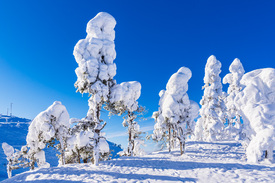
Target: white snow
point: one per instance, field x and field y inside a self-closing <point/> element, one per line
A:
<point x="257" y="105"/>
<point x="202" y="162"/>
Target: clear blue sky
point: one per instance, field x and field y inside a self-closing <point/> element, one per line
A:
<point x="153" y="40"/>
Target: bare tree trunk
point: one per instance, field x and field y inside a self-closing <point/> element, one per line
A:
<point x="169" y="133"/>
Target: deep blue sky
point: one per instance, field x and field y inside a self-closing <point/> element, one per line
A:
<point x="153" y="40"/>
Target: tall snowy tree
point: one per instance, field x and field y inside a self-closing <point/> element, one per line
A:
<point x="124" y="98"/>
<point x="95" y="55"/>
<point x="175" y="115"/>
<point x="234" y="128"/>
<point x="211" y="123"/>
<point x="256" y="103"/>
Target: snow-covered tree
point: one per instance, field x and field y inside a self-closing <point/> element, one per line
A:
<point x="175" y="116"/>
<point x="16" y="159"/>
<point x="233" y="116"/>
<point x="95" y="55"/>
<point x="211" y="123"/>
<point x="47" y="127"/>
<point x="256" y="103"/>
<point x="123" y="99"/>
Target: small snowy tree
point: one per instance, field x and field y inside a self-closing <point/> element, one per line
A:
<point x="123" y="99"/>
<point x="175" y="117"/>
<point x="95" y="55"/>
<point x="16" y="159"/>
<point x="256" y="103"/>
<point x="47" y="127"/>
<point x="211" y="123"/>
<point x="234" y="128"/>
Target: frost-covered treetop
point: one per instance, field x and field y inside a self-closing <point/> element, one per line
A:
<point x="178" y="81"/>
<point x="127" y="93"/>
<point x="102" y="26"/>
<point x="174" y="99"/>
<point x="95" y="55"/>
<point x="236" y="72"/>
<point x="45" y="125"/>
<point x="212" y="70"/>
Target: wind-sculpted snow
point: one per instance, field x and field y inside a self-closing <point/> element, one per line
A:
<point x="257" y="104"/>
<point x="202" y="162"/>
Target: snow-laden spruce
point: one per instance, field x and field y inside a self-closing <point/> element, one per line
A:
<point x="257" y="106"/>
<point x="95" y="55"/>
<point x="48" y="127"/>
<point x="210" y="125"/>
<point x="123" y="99"/>
<point x="234" y="128"/>
<point x="176" y="114"/>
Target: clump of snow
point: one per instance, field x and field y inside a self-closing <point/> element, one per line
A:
<point x="210" y="124"/>
<point x="8" y="149"/>
<point x="127" y="94"/>
<point x="233" y="79"/>
<point x="257" y="105"/>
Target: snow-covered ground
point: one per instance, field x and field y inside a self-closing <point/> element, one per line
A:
<point x="202" y="162"/>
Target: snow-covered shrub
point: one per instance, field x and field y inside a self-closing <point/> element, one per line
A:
<point x="48" y="127"/>
<point x="176" y="114"/>
<point x="234" y="128"/>
<point x="16" y="159"/>
<point x="123" y="99"/>
<point x="95" y="55"/>
<point x="256" y="103"/>
<point x="211" y="123"/>
<point x="80" y="143"/>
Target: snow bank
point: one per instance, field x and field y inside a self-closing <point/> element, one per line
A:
<point x="257" y="105"/>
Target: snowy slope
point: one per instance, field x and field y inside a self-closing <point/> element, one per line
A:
<point x="14" y="133"/>
<point x="203" y="162"/>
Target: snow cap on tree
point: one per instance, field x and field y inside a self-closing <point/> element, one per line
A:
<point x="212" y="69"/>
<point x="236" y="72"/>
<point x="102" y="26"/>
<point x="127" y="93"/>
<point x="257" y="105"/>
<point x="95" y="55"/>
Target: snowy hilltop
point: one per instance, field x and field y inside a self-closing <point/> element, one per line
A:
<point x="202" y="162"/>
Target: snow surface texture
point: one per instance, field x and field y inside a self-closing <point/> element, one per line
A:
<point x="175" y="109"/>
<point x="257" y="104"/>
<point x="233" y="79"/>
<point x="210" y="125"/>
<point x="51" y="123"/>
<point x="202" y="162"/>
